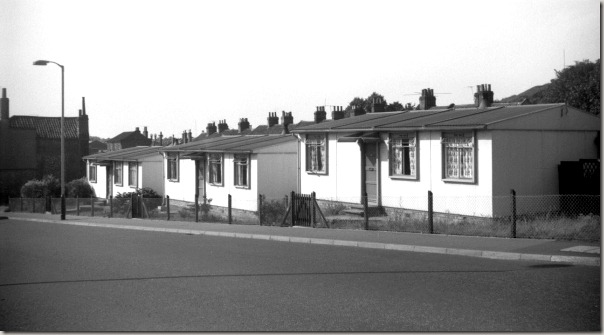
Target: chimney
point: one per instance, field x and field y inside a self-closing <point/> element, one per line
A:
<point x="483" y="97"/>
<point x="222" y="126"/>
<point x="190" y="135"/>
<point x="145" y="132"/>
<point x="378" y="105"/>
<point x="211" y="128"/>
<point x="4" y="106"/>
<point x="357" y="110"/>
<point x="337" y="113"/>
<point x="184" y="138"/>
<point x="286" y="118"/>
<point x="137" y="130"/>
<point x="243" y="125"/>
<point x="427" y="100"/>
<point x="320" y="114"/>
<point x="83" y="127"/>
<point x="161" y="139"/>
<point x="273" y="119"/>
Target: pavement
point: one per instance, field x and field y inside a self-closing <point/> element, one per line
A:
<point x="574" y="252"/>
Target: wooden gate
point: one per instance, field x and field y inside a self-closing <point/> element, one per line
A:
<point x="302" y="210"/>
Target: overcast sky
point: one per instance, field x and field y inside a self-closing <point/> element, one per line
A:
<point x="177" y="65"/>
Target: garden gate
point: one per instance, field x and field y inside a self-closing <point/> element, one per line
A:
<point x="303" y="209"/>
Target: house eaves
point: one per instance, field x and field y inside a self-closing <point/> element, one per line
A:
<point x="128" y="154"/>
<point x="235" y="144"/>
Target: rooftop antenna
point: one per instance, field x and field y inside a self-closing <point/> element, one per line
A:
<point x="471" y="87"/>
<point x="563" y="59"/>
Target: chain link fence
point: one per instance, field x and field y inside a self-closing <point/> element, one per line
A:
<point x="567" y="217"/>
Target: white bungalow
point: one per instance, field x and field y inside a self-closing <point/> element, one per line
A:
<point x="243" y="166"/>
<point x="471" y="154"/>
<point x="125" y="170"/>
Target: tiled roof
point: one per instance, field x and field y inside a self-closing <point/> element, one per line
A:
<point x="434" y="118"/>
<point x="120" y="137"/>
<point x="47" y="127"/>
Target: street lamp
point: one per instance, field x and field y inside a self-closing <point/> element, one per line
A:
<point x="45" y="62"/>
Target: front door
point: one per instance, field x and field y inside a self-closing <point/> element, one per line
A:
<point x="371" y="173"/>
<point x="201" y="184"/>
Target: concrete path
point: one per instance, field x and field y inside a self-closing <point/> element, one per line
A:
<point x="581" y="253"/>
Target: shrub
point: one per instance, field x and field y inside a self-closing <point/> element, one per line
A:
<point x="146" y="192"/>
<point x="79" y="188"/>
<point x="48" y="186"/>
<point x="332" y="208"/>
<point x="150" y="199"/>
<point x="272" y="212"/>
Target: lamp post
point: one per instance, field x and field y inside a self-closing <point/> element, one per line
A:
<point x="45" y="62"/>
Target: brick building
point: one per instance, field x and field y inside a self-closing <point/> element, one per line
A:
<point x="30" y="147"/>
<point x="129" y="139"/>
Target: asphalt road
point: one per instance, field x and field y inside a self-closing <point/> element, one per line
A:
<point x="72" y="278"/>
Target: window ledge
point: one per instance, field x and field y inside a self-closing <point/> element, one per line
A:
<point x="317" y="173"/>
<point x="459" y="181"/>
<point x="242" y="187"/>
<point x="410" y="178"/>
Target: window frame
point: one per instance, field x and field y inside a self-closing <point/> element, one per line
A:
<point x="130" y="166"/>
<point x="392" y="137"/>
<point x="172" y="167"/>
<point x="473" y="149"/>
<point x="309" y="142"/>
<point x="237" y="166"/>
<point x="92" y="176"/>
<point x="118" y="181"/>
<point x="213" y="161"/>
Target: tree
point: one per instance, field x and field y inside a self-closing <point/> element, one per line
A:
<point x="577" y="85"/>
<point x="363" y="103"/>
<point x="356" y="102"/>
<point x="395" y="107"/>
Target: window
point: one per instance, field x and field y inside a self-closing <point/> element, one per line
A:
<point x="117" y="173"/>
<point x="316" y="154"/>
<point x="215" y="163"/>
<point x="242" y="170"/>
<point x="403" y="155"/>
<point x="173" y="168"/>
<point x="132" y="174"/>
<point x="458" y="156"/>
<point x="92" y="173"/>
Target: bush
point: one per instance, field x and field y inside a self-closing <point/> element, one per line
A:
<point x="272" y="212"/>
<point x="79" y="188"/>
<point x="48" y="186"/>
<point x="146" y="192"/>
<point x="150" y="197"/>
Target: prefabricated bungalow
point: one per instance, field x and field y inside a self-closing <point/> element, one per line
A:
<point x="125" y="170"/>
<point x="243" y="166"/>
<point x="468" y="155"/>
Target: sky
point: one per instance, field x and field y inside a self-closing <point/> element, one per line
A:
<point x="178" y="65"/>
